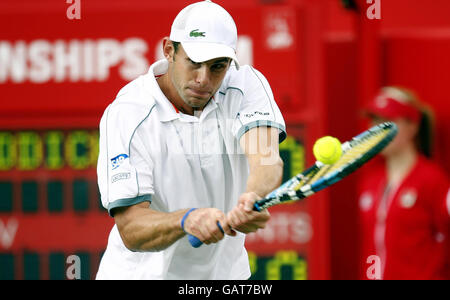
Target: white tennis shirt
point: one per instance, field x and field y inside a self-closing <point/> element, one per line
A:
<point x="151" y="152"/>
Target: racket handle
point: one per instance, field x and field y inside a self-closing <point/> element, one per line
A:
<point x="256" y="207"/>
<point x="195" y="242"/>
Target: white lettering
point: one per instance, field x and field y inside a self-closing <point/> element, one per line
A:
<point x="195" y="290"/>
<point x="374" y="271"/>
<point x="41" y="61"/>
<point x="245" y="50"/>
<point x="246" y="289"/>
<point x="284" y="227"/>
<point x="8" y="232"/>
<point x="134" y="50"/>
<point x="74" y="269"/>
<point x="13" y="61"/>
<point x="66" y="60"/>
<point x="74" y="11"/>
<point x="108" y="54"/>
<point x="374" y="11"/>
<point x="88" y="54"/>
<point x="40" y="69"/>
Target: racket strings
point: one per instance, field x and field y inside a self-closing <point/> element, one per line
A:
<point x="320" y="173"/>
<point x="353" y="153"/>
<point x="304" y="179"/>
<point x="296" y="182"/>
<point x="359" y="149"/>
<point x="356" y="152"/>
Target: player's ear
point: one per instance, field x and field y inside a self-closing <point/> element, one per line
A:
<point x="168" y="49"/>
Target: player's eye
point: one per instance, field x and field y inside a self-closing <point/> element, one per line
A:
<point x="218" y="67"/>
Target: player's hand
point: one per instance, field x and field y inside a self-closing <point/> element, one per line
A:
<point x="243" y="218"/>
<point x="202" y="223"/>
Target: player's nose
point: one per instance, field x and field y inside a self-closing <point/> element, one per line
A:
<point x="202" y="76"/>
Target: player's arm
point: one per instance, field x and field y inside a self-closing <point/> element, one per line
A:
<point x="261" y="148"/>
<point x="145" y="229"/>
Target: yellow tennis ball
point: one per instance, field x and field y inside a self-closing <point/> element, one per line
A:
<point x="327" y="150"/>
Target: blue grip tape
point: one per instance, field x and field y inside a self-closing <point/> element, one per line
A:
<point x="195" y="242"/>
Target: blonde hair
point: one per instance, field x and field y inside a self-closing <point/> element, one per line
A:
<point x="425" y="134"/>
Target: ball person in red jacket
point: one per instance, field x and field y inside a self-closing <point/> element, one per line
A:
<point x="403" y="203"/>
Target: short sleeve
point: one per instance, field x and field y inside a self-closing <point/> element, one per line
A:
<point x="258" y="107"/>
<point x="124" y="168"/>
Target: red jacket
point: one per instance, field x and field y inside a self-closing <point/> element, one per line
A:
<point x="411" y="237"/>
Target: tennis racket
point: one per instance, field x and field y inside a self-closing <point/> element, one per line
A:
<point x="355" y="153"/>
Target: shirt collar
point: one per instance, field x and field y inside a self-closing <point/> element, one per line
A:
<point x="164" y="107"/>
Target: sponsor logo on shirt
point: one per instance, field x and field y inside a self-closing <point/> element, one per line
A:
<point x="365" y="201"/>
<point x="118" y="160"/>
<point x="408" y="198"/>
<point x="256" y="113"/>
<point x="120" y="176"/>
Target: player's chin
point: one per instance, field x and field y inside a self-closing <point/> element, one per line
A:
<point x="197" y="103"/>
<point x="388" y="152"/>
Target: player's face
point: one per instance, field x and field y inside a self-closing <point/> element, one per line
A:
<point x="195" y="82"/>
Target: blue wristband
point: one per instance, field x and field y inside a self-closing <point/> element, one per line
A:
<point x="185" y="216"/>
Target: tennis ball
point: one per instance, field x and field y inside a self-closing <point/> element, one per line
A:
<point x="327" y="150"/>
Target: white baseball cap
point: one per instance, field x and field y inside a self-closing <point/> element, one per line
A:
<point x="206" y="31"/>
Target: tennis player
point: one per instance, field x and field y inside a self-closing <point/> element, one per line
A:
<point x="403" y="206"/>
<point x="190" y="144"/>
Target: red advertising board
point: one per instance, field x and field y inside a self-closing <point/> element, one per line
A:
<point x="57" y="75"/>
<point x="74" y="68"/>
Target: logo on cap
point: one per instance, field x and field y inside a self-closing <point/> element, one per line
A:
<point x="195" y="33"/>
